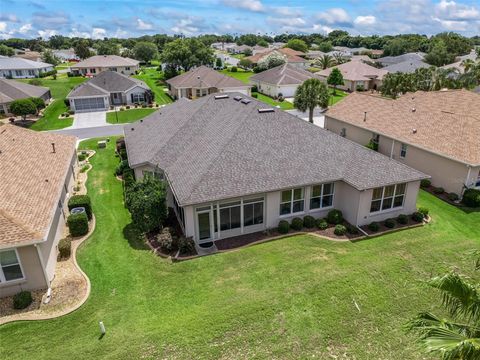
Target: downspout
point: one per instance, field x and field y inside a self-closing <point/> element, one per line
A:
<point x="468" y="177"/>
<point x="391" y="150"/>
<point x="47" y="281"/>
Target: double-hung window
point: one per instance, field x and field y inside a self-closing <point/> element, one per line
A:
<point x="403" y="151"/>
<point x="292" y="201"/>
<point x="322" y="196"/>
<point x="138" y="97"/>
<point x="230" y="216"/>
<point x="10" y="266"/>
<point x="253" y="212"/>
<point x="387" y="197"/>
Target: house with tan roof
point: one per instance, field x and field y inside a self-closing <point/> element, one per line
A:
<point x="96" y="64"/>
<point x="435" y="132"/>
<point x="202" y="81"/>
<point x="36" y="177"/>
<point x="11" y="90"/>
<point x="234" y="166"/>
<point x="293" y="57"/>
<point x="356" y="74"/>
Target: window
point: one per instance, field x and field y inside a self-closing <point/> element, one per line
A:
<point x="112" y="69"/>
<point x="292" y="201"/>
<point x="155" y="174"/>
<point x="127" y="68"/>
<point x="253" y="212"/>
<point x="230" y="216"/>
<point x="403" y="151"/>
<point x="10" y="265"/>
<point x="18" y="72"/>
<point x="31" y="72"/>
<point x="93" y="71"/>
<point x="138" y="97"/>
<point x="322" y="196"/>
<point x="388" y="197"/>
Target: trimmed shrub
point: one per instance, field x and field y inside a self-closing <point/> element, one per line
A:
<point x="186" y="245"/>
<point x="471" y="198"/>
<point x="81" y="201"/>
<point x="22" y="300"/>
<point x="165" y="240"/>
<point x="77" y="224"/>
<point x="423" y="211"/>
<point x="123" y="154"/>
<point x="402" y="219"/>
<point x="340" y="230"/>
<point x="322" y="224"/>
<point x="425" y="183"/>
<point x="389" y="223"/>
<point x="373" y="226"/>
<point x="121" y="167"/>
<point x="283" y="227"/>
<point x="335" y="217"/>
<point x="351" y="229"/>
<point x="128" y="178"/>
<point x="36" y="82"/>
<point x="297" y="224"/>
<point x="254" y="89"/>
<point x="453" y="197"/>
<point x="255" y="95"/>
<point x="417" y="216"/>
<point x="309" y="222"/>
<point x="233" y="69"/>
<point x="438" y="190"/>
<point x="82" y="157"/>
<point x="64" y="248"/>
<point x="127" y="107"/>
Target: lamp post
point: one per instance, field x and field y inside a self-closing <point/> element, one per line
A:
<point x="116" y="115"/>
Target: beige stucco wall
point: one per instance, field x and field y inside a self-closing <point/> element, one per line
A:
<point x="98" y="70"/>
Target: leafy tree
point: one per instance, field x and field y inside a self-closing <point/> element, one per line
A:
<point x="146" y="201"/>
<point x="145" y="51"/>
<point x="325" y="61"/>
<point x="187" y="53"/>
<point x="245" y="63"/>
<point x="263" y="43"/>
<point x="309" y="95"/>
<point x="82" y="50"/>
<point x="218" y="63"/>
<point x="325" y="46"/>
<point x="297" y="44"/>
<point x="59" y="42"/>
<point x="270" y="61"/>
<point x="127" y="53"/>
<point x="50" y="58"/>
<point x="6" y="50"/>
<point x="396" y="47"/>
<point x="335" y="78"/>
<point x="248" y="52"/>
<point x="456" y="337"/>
<point x="23" y="107"/>
<point x="108" y="48"/>
<point x="438" y="55"/>
<point x="169" y="72"/>
<point x="38" y="102"/>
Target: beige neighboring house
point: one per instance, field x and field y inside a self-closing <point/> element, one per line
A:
<point x="235" y="166"/>
<point x="294" y="57"/>
<point x="36" y="177"/>
<point x="280" y="80"/>
<point x="94" y="65"/>
<point x="11" y="90"/>
<point x="436" y="132"/>
<point x="356" y="74"/>
<point x="202" y="81"/>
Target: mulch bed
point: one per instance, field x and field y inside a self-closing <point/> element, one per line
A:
<point x="443" y="196"/>
<point x="382" y="228"/>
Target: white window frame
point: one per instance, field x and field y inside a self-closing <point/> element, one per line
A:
<point x="136" y="97"/>
<point x="392" y="208"/>
<point x="253" y="201"/>
<point x="291" y="201"/>
<point x="321" y="196"/>
<point x="403" y="151"/>
<point x="2" y="275"/>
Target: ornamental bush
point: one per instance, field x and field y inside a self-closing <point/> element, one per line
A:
<point x="335" y="217"/>
<point x="233" y="69"/>
<point x="453" y="197"/>
<point x="438" y="190"/>
<point x="351" y="229"/>
<point x="186" y="245"/>
<point x="389" y="223"/>
<point x="340" y="230"/>
<point x="297" y="224"/>
<point x="309" y="222"/>
<point x="471" y="198"/>
<point x="283" y="227"/>
<point x="81" y="201"/>
<point x="78" y="224"/>
<point x="22" y="300"/>
<point x="322" y="224"/>
<point x="121" y="167"/>
<point x="402" y="219"/>
<point x="417" y="216"/>
<point x="165" y="240"/>
<point x="64" y="248"/>
<point x="423" y="211"/>
<point x="425" y="183"/>
<point x="373" y="226"/>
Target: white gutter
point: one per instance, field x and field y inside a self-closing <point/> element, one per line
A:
<point x="391" y="150"/>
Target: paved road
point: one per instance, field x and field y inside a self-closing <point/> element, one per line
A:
<point x="92" y="132"/>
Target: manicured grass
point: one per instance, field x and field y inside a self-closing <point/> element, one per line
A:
<point x="128" y="116"/>
<point x="59" y="89"/>
<point x="65" y="65"/>
<point x="241" y="75"/>
<point x="152" y="77"/>
<point x="285" y="299"/>
<point x="340" y="94"/>
<point x="285" y="105"/>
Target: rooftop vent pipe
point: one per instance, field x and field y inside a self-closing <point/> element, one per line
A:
<point x="53" y="148"/>
<point x="365" y="116"/>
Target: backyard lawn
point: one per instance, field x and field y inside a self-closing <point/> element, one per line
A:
<point x="340" y="94"/>
<point x="152" y="77"/>
<point x="241" y="75"/>
<point x="128" y="116"/>
<point x="290" y="298"/>
<point x="284" y="105"/>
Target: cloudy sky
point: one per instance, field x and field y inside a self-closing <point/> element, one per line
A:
<point x="113" y="18"/>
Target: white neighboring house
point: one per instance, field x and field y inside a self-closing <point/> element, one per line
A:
<point x="281" y="80"/>
<point x="18" y="68"/>
<point x="94" y="65"/>
<point x="107" y="89"/>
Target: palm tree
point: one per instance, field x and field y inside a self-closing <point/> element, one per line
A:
<point x="456" y="337"/>
<point x="309" y="95"/>
<point x="339" y="58"/>
<point x="467" y="64"/>
<point x="325" y="61"/>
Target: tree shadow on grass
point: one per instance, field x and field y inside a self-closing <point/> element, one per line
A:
<point x="135" y="237"/>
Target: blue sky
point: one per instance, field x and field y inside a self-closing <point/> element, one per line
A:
<point x="97" y="19"/>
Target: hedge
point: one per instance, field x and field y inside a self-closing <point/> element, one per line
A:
<point x="402" y="219"/>
<point x="81" y="201"/>
<point x="77" y="224"/>
<point x="373" y="227"/>
<point x="471" y="198"/>
<point x="64" y="248"/>
<point x="309" y="222"/>
<point x="297" y="224"/>
<point x="283" y="227"/>
<point x="335" y="217"/>
<point x="417" y="216"/>
<point x="322" y="224"/>
<point x="389" y="223"/>
<point x="22" y="300"/>
<point x="425" y="183"/>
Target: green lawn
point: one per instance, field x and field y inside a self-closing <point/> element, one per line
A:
<point x="285" y="299"/>
<point x="241" y="75"/>
<point x="285" y="105"/>
<point x="59" y="89"/>
<point x="128" y="116"/>
<point x="340" y="94"/>
<point x="153" y="78"/>
<point x="65" y="65"/>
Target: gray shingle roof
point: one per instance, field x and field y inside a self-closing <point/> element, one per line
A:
<point x="286" y="74"/>
<point x="204" y="77"/>
<point x="390" y="60"/>
<point x="214" y="149"/>
<point x="14" y="63"/>
<point x="408" y="66"/>
<point x="12" y="90"/>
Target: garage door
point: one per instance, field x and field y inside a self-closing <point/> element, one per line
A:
<point x="90" y="104"/>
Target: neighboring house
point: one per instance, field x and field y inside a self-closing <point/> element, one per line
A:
<point x="109" y="88"/>
<point x="201" y="81"/>
<point x="291" y="56"/>
<point x="11" y="90"/>
<point x="314" y="54"/>
<point x="238" y="49"/>
<point x="29" y="55"/>
<point x="66" y="55"/>
<point x="470" y="56"/>
<point x="283" y="79"/>
<point x="456" y="66"/>
<point x="406" y="67"/>
<point x="390" y="60"/>
<point x="356" y="74"/>
<point x="257" y="49"/>
<point x="234" y="166"/>
<point x="96" y="64"/>
<point x="37" y="176"/>
<point x="17" y="68"/>
<point x="435" y="132"/>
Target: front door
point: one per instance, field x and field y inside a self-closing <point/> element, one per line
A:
<point x="204" y="231"/>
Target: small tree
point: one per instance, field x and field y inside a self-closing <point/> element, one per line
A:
<point x="82" y="50"/>
<point x="271" y="60"/>
<point x="145" y="51"/>
<point x="218" y="63"/>
<point x="297" y="44"/>
<point x="309" y="95"/>
<point x="248" y="52"/>
<point x="23" y="107"/>
<point x="39" y="103"/>
<point x="335" y="78"/>
<point x="245" y="63"/>
<point x="50" y="58"/>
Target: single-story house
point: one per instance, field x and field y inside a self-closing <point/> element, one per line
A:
<point x="436" y="132"/>
<point x="28" y="55"/>
<point x="109" y="88"/>
<point x="291" y="56"/>
<point x="96" y="64"/>
<point x="66" y="55"/>
<point x="314" y="54"/>
<point x="280" y="80"/>
<point x="406" y="67"/>
<point x="356" y="74"/>
<point x="458" y="67"/>
<point x="11" y="90"/>
<point x="37" y="177"/>
<point x="390" y="60"/>
<point x="235" y="166"/>
<point x="472" y="55"/>
<point x="18" y="68"/>
<point x="201" y="81"/>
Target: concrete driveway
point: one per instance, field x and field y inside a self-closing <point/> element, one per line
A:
<point x="318" y="117"/>
<point x="89" y="119"/>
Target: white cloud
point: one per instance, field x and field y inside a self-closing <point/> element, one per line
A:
<point x="143" y="25"/>
<point x="450" y="10"/>
<point x="334" y="16"/>
<point x="287" y="11"/>
<point x="3" y="26"/>
<point x="47" y="33"/>
<point x="76" y="33"/>
<point x="24" y="29"/>
<point x="251" y="5"/>
<point x="365" y="20"/>
<point x="98" y="33"/>
<point x="292" y="22"/>
<point x="9" y="17"/>
<point x="185" y="26"/>
<point x="452" y="25"/>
